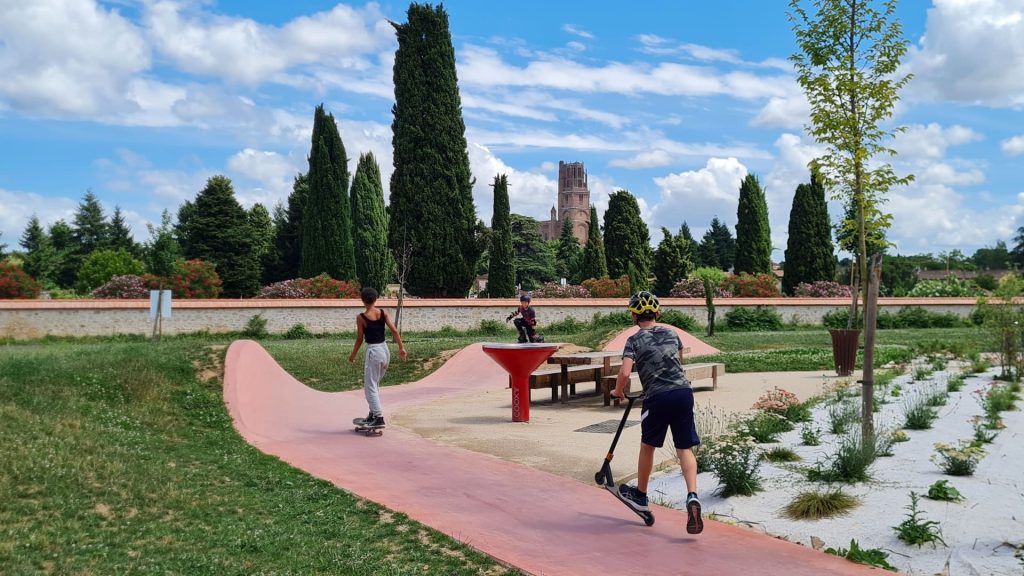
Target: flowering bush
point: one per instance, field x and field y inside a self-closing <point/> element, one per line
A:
<point x="127" y="286"/>
<point x="607" y="288"/>
<point x="776" y="401"/>
<point x="736" y="462"/>
<point x="322" y="286"/>
<point x="556" y="290"/>
<point x="822" y="289"/>
<point x="951" y="287"/>
<point x="752" y="286"/>
<point x="694" y="288"/>
<point x="958" y="461"/>
<point x="16" y="283"/>
<point x="189" y="279"/>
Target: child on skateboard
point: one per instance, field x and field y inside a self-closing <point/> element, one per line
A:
<point x="668" y="403"/>
<point x="527" y="322"/>
<point x="370" y="326"/>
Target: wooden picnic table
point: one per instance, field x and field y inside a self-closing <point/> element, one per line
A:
<point x="603" y="357"/>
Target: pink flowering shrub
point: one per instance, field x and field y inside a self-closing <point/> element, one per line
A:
<point x="123" y="287"/>
<point x="694" y="288"/>
<point x="556" y="290"/>
<point x="776" y="401"/>
<point x="285" y="289"/>
<point x="322" y="286"/>
<point x="752" y="285"/>
<point x="822" y="289"/>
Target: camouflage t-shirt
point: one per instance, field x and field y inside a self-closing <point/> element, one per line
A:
<point x="655" y="354"/>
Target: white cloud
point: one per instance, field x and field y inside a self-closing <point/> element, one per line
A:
<point x="68" y="57"/>
<point x="972" y="51"/>
<point x="272" y="172"/>
<point x="697" y="196"/>
<point x="576" y="46"/>
<point x="17" y="207"/>
<point x="530" y="193"/>
<point x="788" y="112"/>
<point x="1013" y="146"/>
<point x="943" y="174"/>
<point x="577" y="31"/>
<point x="645" y="159"/>
<point x="931" y="141"/>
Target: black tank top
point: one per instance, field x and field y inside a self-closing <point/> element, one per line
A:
<point x="373" y="330"/>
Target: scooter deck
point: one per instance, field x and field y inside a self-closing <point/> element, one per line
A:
<point x="647" y="515"/>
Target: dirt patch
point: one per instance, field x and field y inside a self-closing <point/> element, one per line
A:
<point x="210" y="366"/>
<point x="573" y="349"/>
<point x="431" y="364"/>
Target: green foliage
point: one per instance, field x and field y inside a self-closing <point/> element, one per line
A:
<point x="781" y="454"/>
<point x="189" y="279"/>
<point x="91" y="230"/>
<point x="15" y="283"/>
<point x="753" y="319"/>
<point x="42" y="260"/>
<point x="568" y="256"/>
<point x="815" y="505"/>
<point x="851" y="461"/>
<point x="102" y="265"/>
<point x="671" y="262"/>
<point x="288" y="237"/>
<point x="810" y="435"/>
<point x="869" y="556"/>
<point x="161" y="250"/>
<point x="918" y="415"/>
<point x="120" y="234"/>
<point x="955" y="383"/>
<point x="218" y="232"/>
<point x="916" y="530"/>
<point x="593" y="263"/>
<point x="711" y="277"/>
<point x="568" y="325"/>
<point x="751" y="285"/>
<point x="256" y="327"/>
<point x="736" y="462"/>
<point x="494" y="328"/>
<point x="534" y="260"/>
<point x="717" y="247"/>
<point x="375" y="266"/>
<point x="753" y="234"/>
<point x="431" y="205"/>
<point x="941" y="490"/>
<point x="809" y="254"/>
<point x="327" y="246"/>
<point x="763" y="427"/>
<point x="297" y="332"/>
<point x="799" y="412"/>
<point x="959" y="460"/>
<point x="626" y="238"/>
<point x="907" y="317"/>
<point x="261" y="226"/>
<point x="679" y="320"/>
<point x="951" y="287"/>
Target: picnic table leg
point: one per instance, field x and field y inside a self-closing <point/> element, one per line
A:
<point x="565" y="383"/>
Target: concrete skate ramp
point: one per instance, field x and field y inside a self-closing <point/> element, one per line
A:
<point x="533" y="520"/>
<point x="696" y="346"/>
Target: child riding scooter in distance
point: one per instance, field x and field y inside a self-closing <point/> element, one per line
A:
<point x="527" y="322"/>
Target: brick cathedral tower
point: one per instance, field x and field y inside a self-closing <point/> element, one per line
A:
<point x="573" y="203"/>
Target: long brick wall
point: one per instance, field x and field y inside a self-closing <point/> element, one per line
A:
<point x="25" y="319"/>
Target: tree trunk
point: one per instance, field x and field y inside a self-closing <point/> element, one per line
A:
<point x="868" y="383"/>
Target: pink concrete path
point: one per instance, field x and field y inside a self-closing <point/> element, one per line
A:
<point x="538" y="522"/>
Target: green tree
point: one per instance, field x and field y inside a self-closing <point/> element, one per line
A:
<point x="535" y="262"/>
<point x="374" y="265"/>
<point x="326" y="221"/>
<point x="693" y="246"/>
<point x="809" y="254"/>
<point x="41" y="260"/>
<point x="568" y="254"/>
<point x="501" y="273"/>
<point x="262" y="228"/>
<point x="183" y="227"/>
<point x="62" y="237"/>
<point x="593" y="263"/>
<point x="753" y="234"/>
<point x="162" y="249"/>
<point x="626" y="238"/>
<point x="717" y="246"/>
<point x="219" y="232"/>
<point x="121" y="234"/>
<point x="990" y="257"/>
<point x="711" y="277"/>
<point x="671" y="261"/>
<point x="432" y="211"/>
<point x="848" y="66"/>
<point x="102" y="265"/>
<point x="288" y="232"/>
<point x="899" y="275"/>
<point x="90" y="226"/>
<point x="3" y="248"/>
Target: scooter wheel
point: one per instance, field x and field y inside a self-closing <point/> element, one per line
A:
<point x="599" y="477"/>
<point x="649" y="519"/>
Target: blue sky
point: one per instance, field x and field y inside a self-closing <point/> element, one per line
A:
<point x="142" y="100"/>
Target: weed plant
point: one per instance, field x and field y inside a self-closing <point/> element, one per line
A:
<point x="915" y="529"/>
<point x="936" y="399"/>
<point x="781" y="454"/>
<point x="918" y="415"/>
<point x="810" y="436"/>
<point x="800" y="412"/>
<point x="851" y="462"/>
<point x="955" y="383"/>
<point x="941" y="490"/>
<point x="922" y="373"/>
<point x="841" y="415"/>
<point x="256" y="327"/>
<point x="870" y="556"/>
<point x="763" y="427"/>
<point x="984" y="432"/>
<point x="815" y="505"/>
<point x="297" y="332"/>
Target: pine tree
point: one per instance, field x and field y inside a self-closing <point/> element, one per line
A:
<point x="326" y="221"/>
<point x="432" y="211"/>
<point x="374" y="265"/>
<point x="671" y="262"/>
<point x="567" y="257"/>
<point x="753" y="235"/>
<point x="121" y="234"/>
<point x="534" y="259"/>
<point x="501" y="274"/>
<point x="691" y="248"/>
<point x="626" y="238"/>
<point x="262" y="229"/>
<point x="219" y="232"/>
<point x="63" y="239"/>
<point x="90" y="226"/>
<point x="718" y="247"/>
<point x="809" y="256"/>
<point x="593" y="264"/>
<point x="41" y="260"/>
<point x="288" y="232"/>
<point x="161" y="250"/>
<point x="183" y="226"/>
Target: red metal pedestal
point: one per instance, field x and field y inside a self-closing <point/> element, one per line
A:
<point x="519" y="360"/>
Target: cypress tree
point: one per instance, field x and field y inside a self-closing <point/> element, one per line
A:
<point x="593" y="264"/>
<point x="501" y="274"/>
<point x="219" y="232"/>
<point x="671" y="262"/>
<point x="262" y="229"/>
<point x="691" y="247"/>
<point x="626" y="237"/>
<point x="121" y="234"/>
<point x="567" y="257"/>
<point x="374" y="265"/>
<point x="432" y="211"/>
<point x="753" y="236"/>
<point x="41" y="260"/>
<point x="326" y="220"/>
<point x="288" y="232"/>
<point x="809" y="256"/>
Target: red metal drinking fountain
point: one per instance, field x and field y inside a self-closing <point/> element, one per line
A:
<point x="519" y="360"/>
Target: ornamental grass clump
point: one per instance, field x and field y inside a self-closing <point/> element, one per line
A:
<point x="841" y="416"/>
<point x="781" y="454"/>
<point x="851" y="462"/>
<point x="736" y="462"/>
<point x="960" y="460"/>
<point x="763" y="427"/>
<point x="918" y="415"/>
<point x="815" y="505"/>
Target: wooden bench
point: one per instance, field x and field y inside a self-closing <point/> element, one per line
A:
<point x="551" y="377"/>
<point x="696" y="371"/>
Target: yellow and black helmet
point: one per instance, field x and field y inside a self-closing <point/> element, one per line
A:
<point x="644" y="301"/>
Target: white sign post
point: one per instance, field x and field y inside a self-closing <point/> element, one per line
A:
<point x="159" y="308"/>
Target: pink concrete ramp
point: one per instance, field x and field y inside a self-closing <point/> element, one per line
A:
<point x="533" y="520"/>
<point x="696" y="346"/>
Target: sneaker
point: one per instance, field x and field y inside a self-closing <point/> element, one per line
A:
<point x="633" y="498"/>
<point x="694" y="523"/>
<point x="375" y="422"/>
<point x="363" y="421"/>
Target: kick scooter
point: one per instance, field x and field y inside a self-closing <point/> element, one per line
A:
<point x="604" y="475"/>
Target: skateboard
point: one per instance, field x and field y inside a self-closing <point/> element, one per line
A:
<point x="361" y="426"/>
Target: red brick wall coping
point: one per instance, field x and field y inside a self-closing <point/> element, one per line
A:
<point x="257" y="304"/>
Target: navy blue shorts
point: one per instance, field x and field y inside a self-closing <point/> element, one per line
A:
<point x="672" y="409"/>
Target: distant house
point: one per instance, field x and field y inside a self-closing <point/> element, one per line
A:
<point x="960" y="274"/>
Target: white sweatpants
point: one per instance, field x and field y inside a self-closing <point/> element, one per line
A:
<point x="378" y="356"/>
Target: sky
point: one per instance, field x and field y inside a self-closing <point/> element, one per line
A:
<point x="140" y="101"/>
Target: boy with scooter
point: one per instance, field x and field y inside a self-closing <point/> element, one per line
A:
<point x="668" y="403"/>
<point x="525" y="324"/>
